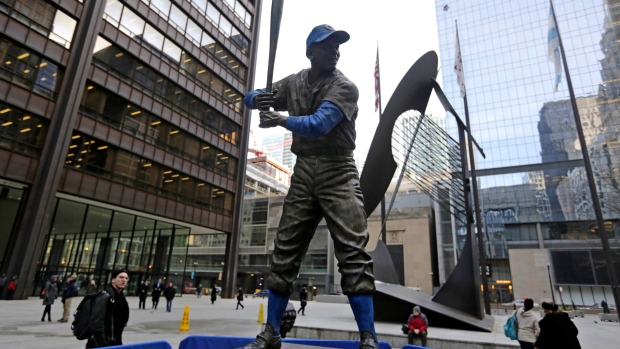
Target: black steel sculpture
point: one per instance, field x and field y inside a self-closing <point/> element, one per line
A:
<point x="438" y="164"/>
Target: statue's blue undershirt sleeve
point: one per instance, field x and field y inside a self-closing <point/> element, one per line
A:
<point x="248" y="100"/>
<point x="318" y="124"/>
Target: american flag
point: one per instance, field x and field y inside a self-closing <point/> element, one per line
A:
<point x="458" y="65"/>
<point x="377" y="84"/>
<point x="553" y="46"/>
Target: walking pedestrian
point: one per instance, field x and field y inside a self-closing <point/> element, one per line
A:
<point x="240" y="298"/>
<point x="67" y="296"/>
<point x="605" y="307"/>
<point x="303" y="298"/>
<point x="199" y="291"/>
<point x="143" y="291"/>
<point x="91" y="288"/>
<point x="11" y="287"/>
<point x="51" y="292"/>
<point x="556" y="331"/>
<point x="157" y="287"/>
<point x="169" y="293"/>
<point x="527" y="325"/>
<point x="2" y="283"/>
<point x="213" y="293"/>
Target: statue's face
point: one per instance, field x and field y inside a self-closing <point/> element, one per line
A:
<point x="326" y="54"/>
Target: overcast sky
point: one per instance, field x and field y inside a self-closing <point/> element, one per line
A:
<point x="404" y="29"/>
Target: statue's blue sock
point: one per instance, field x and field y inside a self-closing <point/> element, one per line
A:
<point x="275" y="309"/>
<point x="362" y="307"/>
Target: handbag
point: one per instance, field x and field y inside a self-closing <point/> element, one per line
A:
<point x="42" y="293"/>
<point x="405" y="328"/>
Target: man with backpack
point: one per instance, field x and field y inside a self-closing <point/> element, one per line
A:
<point x="109" y="314"/>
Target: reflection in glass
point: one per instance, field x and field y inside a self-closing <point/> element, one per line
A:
<point x="62" y="29"/>
<point x="172" y="50"/>
<point x="154" y="37"/>
<point x="131" y="24"/>
<point x="162" y="6"/>
<point x="69" y="217"/>
<point x="113" y="11"/>
<point x="178" y="19"/>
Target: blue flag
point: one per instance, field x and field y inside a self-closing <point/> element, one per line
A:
<point x="553" y="46"/>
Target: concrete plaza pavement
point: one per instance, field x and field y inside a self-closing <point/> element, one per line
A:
<point x="20" y="325"/>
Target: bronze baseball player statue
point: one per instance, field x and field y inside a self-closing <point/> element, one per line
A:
<point x="322" y="104"/>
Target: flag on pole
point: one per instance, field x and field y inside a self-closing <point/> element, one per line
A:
<point x="458" y="65"/>
<point x="377" y="85"/>
<point x="553" y="46"/>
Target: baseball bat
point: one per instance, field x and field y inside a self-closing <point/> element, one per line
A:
<point x="274" y="33"/>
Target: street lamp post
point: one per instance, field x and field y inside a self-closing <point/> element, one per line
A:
<point x="551" y="284"/>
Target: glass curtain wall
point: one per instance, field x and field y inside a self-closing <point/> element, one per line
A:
<point x="522" y="115"/>
<point x="93" y="241"/>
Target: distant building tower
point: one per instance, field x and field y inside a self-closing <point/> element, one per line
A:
<point x="278" y="146"/>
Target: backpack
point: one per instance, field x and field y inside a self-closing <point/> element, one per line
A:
<point x="81" y="323"/>
<point x="510" y="328"/>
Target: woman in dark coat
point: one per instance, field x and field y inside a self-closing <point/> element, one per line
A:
<point x="213" y="293"/>
<point x="157" y="287"/>
<point x="51" y="292"/>
<point x="556" y="331"/>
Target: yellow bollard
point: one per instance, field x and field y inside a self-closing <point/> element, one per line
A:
<point x="185" y="321"/>
<point x="261" y="314"/>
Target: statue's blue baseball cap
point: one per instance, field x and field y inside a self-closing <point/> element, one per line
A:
<point x="323" y="31"/>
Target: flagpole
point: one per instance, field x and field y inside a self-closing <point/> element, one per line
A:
<point x="383" y="225"/>
<point x="611" y="269"/>
<point x="474" y="183"/>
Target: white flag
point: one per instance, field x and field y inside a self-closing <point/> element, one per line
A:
<point x="553" y="46"/>
<point x="458" y="66"/>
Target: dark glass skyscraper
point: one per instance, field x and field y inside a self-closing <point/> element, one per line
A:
<point x="122" y="134"/>
<point x="537" y="210"/>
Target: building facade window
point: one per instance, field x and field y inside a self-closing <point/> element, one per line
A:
<point x="28" y="69"/>
<point x="92" y="241"/>
<point x="121" y="114"/>
<point x="99" y="158"/>
<point x="131" y="24"/>
<point x="42" y="17"/>
<point x="115" y="60"/>
<point x="20" y="131"/>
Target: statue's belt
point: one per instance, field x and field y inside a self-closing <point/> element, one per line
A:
<point x="323" y="152"/>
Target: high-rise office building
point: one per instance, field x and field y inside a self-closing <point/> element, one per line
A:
<point x="122" y="134"/>
<point x="538" y="220"/>
<point x="278" y="146"/>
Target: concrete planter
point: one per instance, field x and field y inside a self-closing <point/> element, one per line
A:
<point x="608" y="317"/>
<point x="395" y="340"/>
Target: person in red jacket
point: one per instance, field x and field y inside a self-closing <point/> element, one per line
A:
<point x="418" y="326"/>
